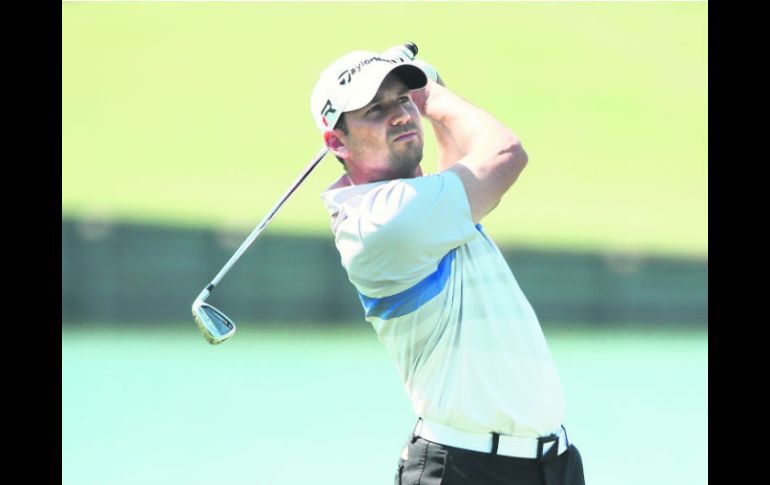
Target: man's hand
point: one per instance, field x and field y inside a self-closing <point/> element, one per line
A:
<point x="419" y="96"/>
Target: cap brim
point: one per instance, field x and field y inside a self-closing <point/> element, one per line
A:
<point x="410" y="74"/>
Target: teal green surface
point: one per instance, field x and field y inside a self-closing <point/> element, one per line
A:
<point x="304" y="406"/>
<point x="198" y="113"/>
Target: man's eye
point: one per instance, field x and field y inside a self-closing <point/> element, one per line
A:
<point x="374" y="108"/>
<point x="404" y="99"/>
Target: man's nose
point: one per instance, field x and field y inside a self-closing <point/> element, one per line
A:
<point x="400" y="115"/>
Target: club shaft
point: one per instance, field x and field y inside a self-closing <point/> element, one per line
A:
<point x="262" y="225"/>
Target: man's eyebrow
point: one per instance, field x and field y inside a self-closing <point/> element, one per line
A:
<point x="378" y="97"/>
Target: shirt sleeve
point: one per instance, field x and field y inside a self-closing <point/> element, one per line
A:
<point x="398" y="233"/>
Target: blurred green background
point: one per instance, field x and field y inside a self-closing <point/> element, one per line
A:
<point x="195" y="116"/>
<point x="199" y="113"/>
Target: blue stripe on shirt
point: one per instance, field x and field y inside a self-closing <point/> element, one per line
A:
<point x="411" y="299"/>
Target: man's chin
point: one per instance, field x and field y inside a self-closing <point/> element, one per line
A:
<point x="410" y="170"/>
<point x="410" y="156"/>
<point x="412" y="164"/>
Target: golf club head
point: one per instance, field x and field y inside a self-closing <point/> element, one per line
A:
<point x="215" y="325"/>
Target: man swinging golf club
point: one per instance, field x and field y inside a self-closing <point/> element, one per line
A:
<point x="466" y="342"/>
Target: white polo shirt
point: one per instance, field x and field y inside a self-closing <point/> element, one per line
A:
<point x="443" y="301"/>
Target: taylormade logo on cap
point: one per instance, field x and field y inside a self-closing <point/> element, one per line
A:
<point x="351" y="82"/>
<point x="347" y="74"/>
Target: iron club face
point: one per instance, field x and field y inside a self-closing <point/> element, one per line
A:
<point x="215" y="325"/>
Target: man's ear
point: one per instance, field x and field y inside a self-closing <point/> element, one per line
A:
<point x="335" y="143"/>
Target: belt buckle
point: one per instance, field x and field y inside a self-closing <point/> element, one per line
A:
<point x="542" y="441"/>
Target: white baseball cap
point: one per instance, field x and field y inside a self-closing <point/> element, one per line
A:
<point x="352" y="81"/>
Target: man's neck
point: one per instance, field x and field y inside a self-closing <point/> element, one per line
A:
<point x="343" y="181"/>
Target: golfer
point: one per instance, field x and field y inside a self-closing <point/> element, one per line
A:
<point x="435" y="287"/>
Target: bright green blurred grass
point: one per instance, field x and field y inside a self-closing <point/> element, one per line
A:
<point x="197" y="113"/>
<point x="302" y="406"/>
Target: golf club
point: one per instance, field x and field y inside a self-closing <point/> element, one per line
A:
<point x="215" y="325"/>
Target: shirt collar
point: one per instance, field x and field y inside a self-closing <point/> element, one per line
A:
<point x="342" y="191"/>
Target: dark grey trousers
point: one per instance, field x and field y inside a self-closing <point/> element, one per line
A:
<point x="434" y="464"/>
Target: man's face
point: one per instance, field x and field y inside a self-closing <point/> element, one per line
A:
<point x="385" y="137"/>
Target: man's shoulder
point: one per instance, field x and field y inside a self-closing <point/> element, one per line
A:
<point x="398" y="212"/>
<point x="403" y="200"/>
